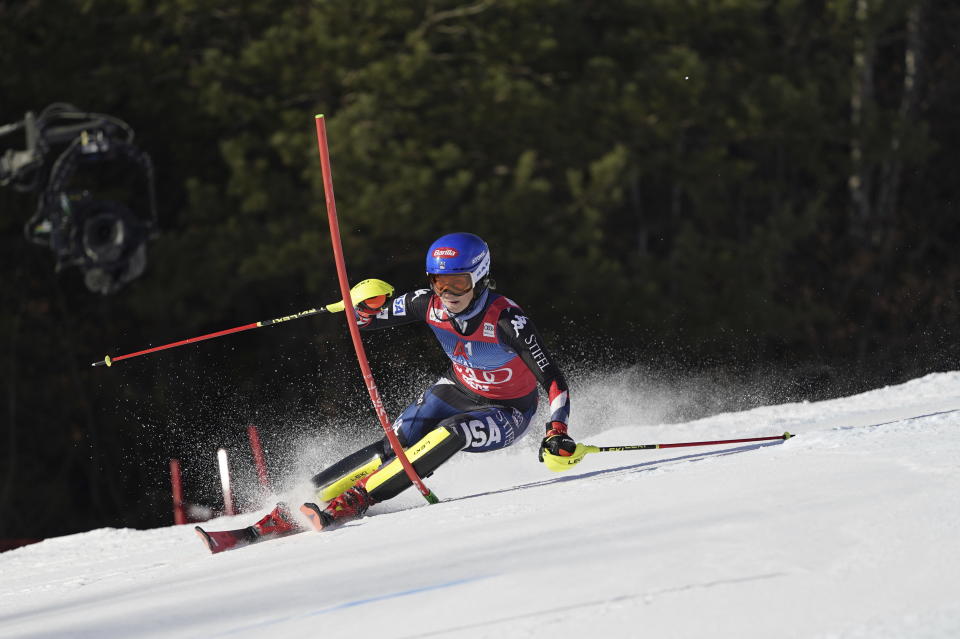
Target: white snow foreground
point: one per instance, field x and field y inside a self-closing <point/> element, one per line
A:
<point x="850" y="529"/>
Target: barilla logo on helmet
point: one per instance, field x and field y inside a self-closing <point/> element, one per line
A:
<point x="445" y="251"/>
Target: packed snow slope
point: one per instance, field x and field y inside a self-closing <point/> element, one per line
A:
<point x="850" y="529"/>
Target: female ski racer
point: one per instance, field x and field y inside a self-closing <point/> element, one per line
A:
<point x="485" y="400"/>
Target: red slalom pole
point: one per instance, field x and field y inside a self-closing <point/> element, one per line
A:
<point x="352" y="320"/>
<point x="258" y="458"/>
<point x="179" y="516"/>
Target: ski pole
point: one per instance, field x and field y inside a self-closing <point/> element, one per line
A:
<point x="364" y="290"/>
<point x="604" y="449"/>
<point x="558" y="463"/>
<point x="341" y="264"/>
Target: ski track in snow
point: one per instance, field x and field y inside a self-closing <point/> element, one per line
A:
<point x="849" y="530"/>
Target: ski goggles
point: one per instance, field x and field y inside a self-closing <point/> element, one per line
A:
<point x="457" y="284"/>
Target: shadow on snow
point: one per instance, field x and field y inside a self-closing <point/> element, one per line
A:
<point x="641" y="467"/>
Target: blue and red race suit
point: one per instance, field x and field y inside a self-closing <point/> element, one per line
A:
<point x="497" y="360"/>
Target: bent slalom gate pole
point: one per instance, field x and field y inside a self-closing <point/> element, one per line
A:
<point x="363" y="290"/>
<point x="352" y="320"/>
<point x="558" y="463"/>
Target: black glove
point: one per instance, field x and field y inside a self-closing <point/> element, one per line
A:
<point x="556" y="441"/>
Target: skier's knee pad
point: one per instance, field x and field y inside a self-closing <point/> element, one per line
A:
<point x="426" y="456"/>
<point x="333" y="481"/>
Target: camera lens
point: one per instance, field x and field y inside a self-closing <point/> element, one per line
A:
<point x="103" y="237"/>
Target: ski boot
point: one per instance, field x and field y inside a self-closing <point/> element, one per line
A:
<point x="349" y="506"/>
<point x="279" y="522"/>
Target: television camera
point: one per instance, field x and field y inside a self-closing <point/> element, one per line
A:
<point x="96" y="201"/>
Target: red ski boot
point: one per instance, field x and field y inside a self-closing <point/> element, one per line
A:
<point x="348" y="506"/>
<point x="277" y="523"/>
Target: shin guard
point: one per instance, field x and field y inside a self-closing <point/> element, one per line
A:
<point x="335" y="480"/>
<point x="426" y="456"/>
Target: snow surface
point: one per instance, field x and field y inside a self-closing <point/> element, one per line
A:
<point x="851" y="529"/>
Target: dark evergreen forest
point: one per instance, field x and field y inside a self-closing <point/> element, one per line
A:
<point x="761" y="193"/>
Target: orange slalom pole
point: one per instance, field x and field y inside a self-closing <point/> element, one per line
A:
<point x="352" y="320"/>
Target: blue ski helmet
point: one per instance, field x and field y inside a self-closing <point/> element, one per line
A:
<point x="460" y="253"/>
